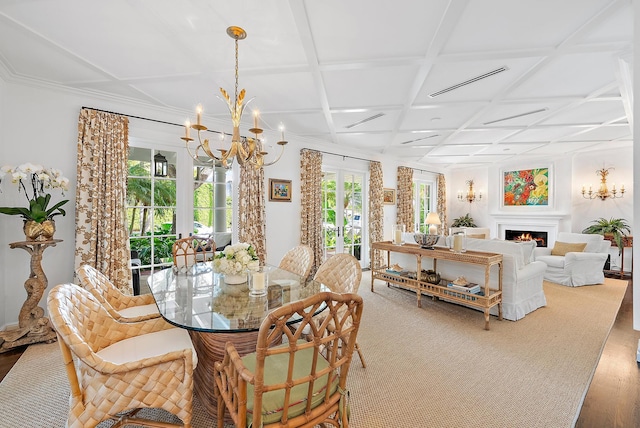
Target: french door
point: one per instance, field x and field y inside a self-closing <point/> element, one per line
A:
<point x="344" y="226"/>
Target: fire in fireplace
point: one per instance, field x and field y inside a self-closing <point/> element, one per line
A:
<point x="527" y="235"/>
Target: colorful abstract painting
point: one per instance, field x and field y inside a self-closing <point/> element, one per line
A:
<point x="526" y="187"/>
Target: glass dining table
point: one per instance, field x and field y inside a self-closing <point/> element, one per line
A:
<point x="198" y="299"/>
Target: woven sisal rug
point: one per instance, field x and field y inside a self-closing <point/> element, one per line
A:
<point x="432" y="366"/>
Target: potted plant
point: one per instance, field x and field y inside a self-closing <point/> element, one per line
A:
<point x="616" y="228"/>
<point x="463" y="221"/>
<point x="38" y="215"/>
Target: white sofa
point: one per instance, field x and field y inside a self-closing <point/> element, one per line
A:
<point x="576" y="268"/>
<point x="522" y="278"/>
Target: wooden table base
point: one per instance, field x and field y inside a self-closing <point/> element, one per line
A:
<point x="210" y="348"/>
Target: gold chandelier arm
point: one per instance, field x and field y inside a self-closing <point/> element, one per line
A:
<point x="281" y="144"/>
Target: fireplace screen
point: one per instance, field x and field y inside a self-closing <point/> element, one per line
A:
<point x="526" y="235"/>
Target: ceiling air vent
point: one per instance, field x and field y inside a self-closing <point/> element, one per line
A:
<point x="516" y="115"/>
<point x="360" y="122"/>
<point x="420" y="139"/>
<point x="467" y="82"/>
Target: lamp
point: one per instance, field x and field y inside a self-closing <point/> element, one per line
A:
<point x="159" y="165"/>
<point x="603" y="192"/>
<point x="434" y="221"/>
<point x="471" y="194"/>
<point x="244" y="149"/>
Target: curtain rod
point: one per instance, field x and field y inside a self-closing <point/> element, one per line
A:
<point x="369" y="160"/>
<point x="144" y="118"/>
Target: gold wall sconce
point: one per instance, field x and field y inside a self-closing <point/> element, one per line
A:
<point x="603" y="191"/>
<point x="471" y="195"/>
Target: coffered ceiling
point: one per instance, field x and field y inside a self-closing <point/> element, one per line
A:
<point x="543" y="78"/>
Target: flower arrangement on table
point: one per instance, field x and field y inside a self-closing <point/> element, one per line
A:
<point x="236" y="259"/>
<point x="35" y="181"/>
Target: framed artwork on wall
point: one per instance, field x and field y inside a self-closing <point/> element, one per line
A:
<point x="389" y="196"/>
<point x="279" y="190"/>
<point x="526" y="187"/>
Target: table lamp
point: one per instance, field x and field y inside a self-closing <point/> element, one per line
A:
<point x="433" y="220"/>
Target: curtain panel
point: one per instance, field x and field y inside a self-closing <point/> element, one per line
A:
<point x="311" y="204"/>
<point x="405" y="213"/>
<point x="442" y="203"/>
<point x="102" y="240"/>
<point x="376" y="208"/>
<point x="251" y="209"/>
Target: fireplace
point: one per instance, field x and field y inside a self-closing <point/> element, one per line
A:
<point x="527" y="235"/>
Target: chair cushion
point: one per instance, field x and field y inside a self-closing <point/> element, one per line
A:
<point x="148" y="345"/>
<point x="136" y="311"/>
<point x="562" y="248"/>
<point x="275" y="371"/>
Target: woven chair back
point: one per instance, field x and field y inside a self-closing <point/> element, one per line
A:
<point x="101" y="287"/>
<point x="188" y="251"/>
<point x="341" y="273"/>
<point x="332" y="341"/>
<point x="298" y="260"/>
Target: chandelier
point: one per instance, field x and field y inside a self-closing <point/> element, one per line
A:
<point x="603" y="192"/>
<point x="246" y="150"/>
<point x="471" y="194"/>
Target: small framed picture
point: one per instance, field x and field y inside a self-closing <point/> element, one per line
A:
<point x="279" y="190"/>
<point x="389" y="196"/>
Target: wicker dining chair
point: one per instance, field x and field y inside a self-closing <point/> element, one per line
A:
<point x="301" y="383"/>
<point x="342" y="274"/>
<point x="121" y="307"/>
<point x="116" y="369"/>
<point x="298" y="260"/>
<point x="192" y="249"/>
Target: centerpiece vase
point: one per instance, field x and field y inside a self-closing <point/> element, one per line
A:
<point x="235" y="279"/>
<point x="34" y="231"/>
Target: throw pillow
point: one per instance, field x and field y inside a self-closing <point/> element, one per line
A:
<point x="562" y="248"/>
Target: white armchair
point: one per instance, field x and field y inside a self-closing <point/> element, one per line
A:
<point x="575" y="268"/>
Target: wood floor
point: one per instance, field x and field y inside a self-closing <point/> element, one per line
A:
<point x="613" y="399"/>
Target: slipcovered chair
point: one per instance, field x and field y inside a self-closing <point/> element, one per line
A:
<point x="301" y="383"/>
<point x="116" y="369"/>
<point x="298" y="260"/>
<point x="121" y="307"/>
<point x="188" y="251"/>
<point x="576" y="259"/>
<point x="342" y="274"/>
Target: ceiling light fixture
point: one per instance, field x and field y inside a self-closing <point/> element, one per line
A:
<point x="603" y="192"/>
<point x="467" y="82"/>
<point x="244" y="149"/>
<point x="360" y="122"/>
<point x="516" y="116"/>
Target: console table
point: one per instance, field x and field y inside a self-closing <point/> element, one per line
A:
<point x="492" y="297"/>
<point x="627" y="242"/>
<point x="33" y="326"/>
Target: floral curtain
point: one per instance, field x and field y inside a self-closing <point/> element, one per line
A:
<point x="102" y="240"/>
<point x="376" y="208"/>
<point x="442" y="203"/>
<point x="251" y="209"/>
<point x="311" y="202"/>
<point x="405" y="198"/>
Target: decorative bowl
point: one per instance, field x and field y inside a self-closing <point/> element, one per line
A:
<point x="425" y="240"/>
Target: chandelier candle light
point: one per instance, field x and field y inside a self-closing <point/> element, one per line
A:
<point x="244" y="149"/>
<point x="603" y="192"/>
<point x="471" y="194"/>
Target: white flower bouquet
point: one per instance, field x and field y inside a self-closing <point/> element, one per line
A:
<point x="236" y="259"/>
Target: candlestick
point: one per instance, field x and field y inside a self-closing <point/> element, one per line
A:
<point x="281" y="132"/>
<point x="255" y="118"/>
<point x="187" y="125"/>
<point x="199" y="115"/>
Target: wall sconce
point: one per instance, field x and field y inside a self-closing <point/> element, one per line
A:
<point x="471" y="194"/>
<point x="433" y="220"/>
<point x="159" y="165"/>
<point x="603" y="192"/>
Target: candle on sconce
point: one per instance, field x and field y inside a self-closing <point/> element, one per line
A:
<point x="589" y="187"/>
<point x="199" y="115"/>
<point x="614" y="187"/>
<point x="281" y="132"/>
<point x="622" y="188"/>
<point x="187" y="125"/>
<point x="256" y="113"/>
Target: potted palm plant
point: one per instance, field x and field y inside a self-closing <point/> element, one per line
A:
<point x="615" y="228"/>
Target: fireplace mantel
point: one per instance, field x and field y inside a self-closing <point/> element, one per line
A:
<point x="539" y="221"/>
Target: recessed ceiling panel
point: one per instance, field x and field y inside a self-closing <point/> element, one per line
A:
<point x="382" y="123"/>
<point x="602" y="133"/>
<point x="298" y="123"/>
<point x="367" y="141"/>
<point x="591" y="112"/>
<point x="457" y="150"/>
<point x="359" y="30"/>
<point x="618" y="27"/>
<point x="558" y="149"/>
<point x="508" y="149"/>
<point x="542" y="134"/>
<point x="430" y="138"/>
<point x="516" y="114"/>
<point x="477" y="136"/>
<point x="444" y="116"/>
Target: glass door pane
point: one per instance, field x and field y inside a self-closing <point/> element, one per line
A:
<point x="329" y="213"/>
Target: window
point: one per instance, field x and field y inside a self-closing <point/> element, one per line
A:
<point x="424" y="203"/>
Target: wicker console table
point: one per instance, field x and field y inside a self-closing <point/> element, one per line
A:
<point x="492" y="297"/>
<point x="33" y="326"/>
<point x="627" y="242"/>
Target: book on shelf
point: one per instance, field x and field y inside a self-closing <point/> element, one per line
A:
<point x="470" y="287"/>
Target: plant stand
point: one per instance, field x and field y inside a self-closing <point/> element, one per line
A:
<point x="33" y="326"/>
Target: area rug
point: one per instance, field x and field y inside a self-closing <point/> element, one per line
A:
<point x="432" y="366"/>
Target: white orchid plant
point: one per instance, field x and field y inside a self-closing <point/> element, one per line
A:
<point x="35" y="181"/>
<point x="236" y="259"/>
